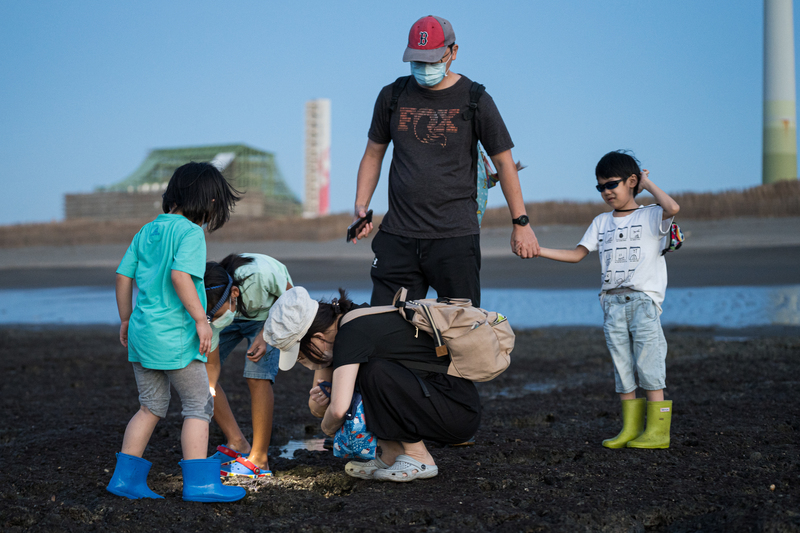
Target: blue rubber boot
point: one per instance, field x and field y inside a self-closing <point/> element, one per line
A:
<point x="130" y="478"/>
<point x="201" y="483"/>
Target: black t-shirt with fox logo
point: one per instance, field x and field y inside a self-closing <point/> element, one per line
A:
<point x="432" y="178"/>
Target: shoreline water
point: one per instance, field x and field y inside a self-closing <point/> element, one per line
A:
<point x="729" y="307"/>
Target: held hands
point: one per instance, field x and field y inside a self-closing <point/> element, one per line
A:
<point x="524" y="242"/>
<point x="257" y="349"/>
<point x="360" y="212"/>
<point x="204" y="333"/>
<point x="123" y="333"/>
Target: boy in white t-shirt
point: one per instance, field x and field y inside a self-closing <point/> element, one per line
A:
<point x="634" y="279"/>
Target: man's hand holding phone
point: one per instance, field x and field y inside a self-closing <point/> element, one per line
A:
<point x="361" y="226"/>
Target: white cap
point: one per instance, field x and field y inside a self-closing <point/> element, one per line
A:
<point x="289" y="319"/>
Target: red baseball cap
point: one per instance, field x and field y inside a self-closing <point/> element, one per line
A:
<point x="428" y="39"/>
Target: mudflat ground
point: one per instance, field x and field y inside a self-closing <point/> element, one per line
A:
<point x="537" y="465"/>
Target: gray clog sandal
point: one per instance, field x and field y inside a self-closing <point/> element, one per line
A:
<point x="364" y="470"/>
<point x="404" y="469"/>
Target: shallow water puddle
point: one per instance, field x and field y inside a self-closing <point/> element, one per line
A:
<point x="510" y="393"/>
<point x="727" y="338"/>
<point x="312" y="445"/>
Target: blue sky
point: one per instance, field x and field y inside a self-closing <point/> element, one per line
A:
<point x="89" y="87"/>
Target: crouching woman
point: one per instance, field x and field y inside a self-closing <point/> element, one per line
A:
<point x="406" y="391"/>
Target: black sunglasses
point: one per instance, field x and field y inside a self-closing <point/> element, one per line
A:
<point x="611" y="185"/>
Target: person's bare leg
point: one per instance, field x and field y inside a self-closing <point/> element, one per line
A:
<point x="655" y="395"/>
<point x="223" y="416"/>
<point x="194" y="439"/>
<point x="138" y="433"/>
<point x="390" y="449"/>
<point x="628" y="396"/>
<point x="262" y="403"/>
<point x="418" y="451"/>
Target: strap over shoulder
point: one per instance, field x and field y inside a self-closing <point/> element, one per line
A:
<point x="476" y="90"/>
<point x="398" y="305"/>
<point x="397" y="89"/>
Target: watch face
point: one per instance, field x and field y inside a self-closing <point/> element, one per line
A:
<point x="522" y="221"/>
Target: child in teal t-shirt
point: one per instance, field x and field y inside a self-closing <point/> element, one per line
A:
<point x="167" y="333"/>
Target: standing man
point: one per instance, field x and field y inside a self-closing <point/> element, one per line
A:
<point x="430" y="235"/>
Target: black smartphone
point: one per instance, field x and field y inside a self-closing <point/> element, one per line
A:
<point x="355" y="227"/>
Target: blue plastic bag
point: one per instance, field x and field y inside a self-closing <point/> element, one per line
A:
<point x="353" y="440"/>
<point x="486" y="180"/>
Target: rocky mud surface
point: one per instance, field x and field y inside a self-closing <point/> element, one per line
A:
<point x="537" y="465"/>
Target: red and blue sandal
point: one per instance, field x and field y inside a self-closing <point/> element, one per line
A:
<point x="226" y="455"/>
<point x="242" y="467"/>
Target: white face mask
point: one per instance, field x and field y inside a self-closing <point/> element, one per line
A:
<point x="224" y="321"/>
<point x="226" y="318"/>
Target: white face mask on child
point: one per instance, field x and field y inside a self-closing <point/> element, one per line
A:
<point x="224" y="321"/>
<point x="227" y="317"/>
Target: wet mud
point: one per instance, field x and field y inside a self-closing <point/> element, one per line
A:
<point x="537" y="464"/>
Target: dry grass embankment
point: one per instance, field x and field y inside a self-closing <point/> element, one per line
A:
<point x="776" y="200"/>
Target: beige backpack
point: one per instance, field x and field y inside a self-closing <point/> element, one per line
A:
<point x="479" y="342"/>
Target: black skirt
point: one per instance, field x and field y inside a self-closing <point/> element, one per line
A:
<point x="396" y="406"/>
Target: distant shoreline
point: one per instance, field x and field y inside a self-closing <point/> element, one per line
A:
<point x="777" y="200"/>
<point x="689" y="267"/>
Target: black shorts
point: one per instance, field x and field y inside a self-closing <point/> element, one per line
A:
<point x="451" y="266"/>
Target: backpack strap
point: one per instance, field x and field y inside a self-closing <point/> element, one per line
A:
<point x="366" y="311"/>
<point x="476" y="90"/>
<point x="397" y="89"/>
<point x="398" y="304"/>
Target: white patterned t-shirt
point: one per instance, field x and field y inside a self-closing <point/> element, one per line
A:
<point x="630" y="250"/>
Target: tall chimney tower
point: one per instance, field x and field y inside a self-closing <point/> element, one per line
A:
<point x="318" y="158"/>
<point x="780" y="113"/>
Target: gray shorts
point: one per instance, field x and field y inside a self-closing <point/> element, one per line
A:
<point x="191" y="383"/>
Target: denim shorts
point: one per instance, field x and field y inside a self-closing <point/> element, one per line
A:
<point x="191" y="383"/>
<point x="636" y="341"/>
<point x="231" y="336"/>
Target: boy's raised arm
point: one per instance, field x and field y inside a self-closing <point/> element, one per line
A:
<point x="182" y="281"/>
<point x="566" y="256"/>
<point x="666" y="202"/>
<point x="124" y="306"/>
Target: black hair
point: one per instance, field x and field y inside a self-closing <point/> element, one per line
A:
<point x="619" y="164"/>
<point x="203" y="195"/>
<point x="216" y="277"/>
<point x="327" y="314"/>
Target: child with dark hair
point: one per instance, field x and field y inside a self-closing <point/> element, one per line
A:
<point x="634" y="280"/>
<point x="167" y="333"/>
<point x="240" y="291"/>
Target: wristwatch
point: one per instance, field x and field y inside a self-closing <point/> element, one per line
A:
<point x="521" y="221"/>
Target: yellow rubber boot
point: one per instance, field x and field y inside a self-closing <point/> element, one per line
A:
<point x="632" y="423"/>
<point x="659" y="419"/>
